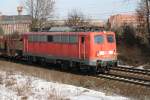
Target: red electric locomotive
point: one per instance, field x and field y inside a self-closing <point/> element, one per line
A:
<point x="92" y="50"/>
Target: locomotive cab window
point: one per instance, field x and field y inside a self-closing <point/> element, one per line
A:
<point x="98" y="39"/>
<point x="110" y="38"/>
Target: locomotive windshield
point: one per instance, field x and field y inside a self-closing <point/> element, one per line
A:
<point x="110" y="38"/>
<point x="98" y="39"/>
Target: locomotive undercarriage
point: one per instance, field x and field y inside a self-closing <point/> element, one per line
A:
<point x="104" y="66"/>
<point x="101" y="66"/>
<point x="71" y="65"/>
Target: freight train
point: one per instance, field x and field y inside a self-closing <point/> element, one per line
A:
<point x="92" y="50"/>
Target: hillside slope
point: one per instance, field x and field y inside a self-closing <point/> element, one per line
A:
<point x="133" y="55"/>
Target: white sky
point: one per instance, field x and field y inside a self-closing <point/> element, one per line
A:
<point x="96" y="9"/>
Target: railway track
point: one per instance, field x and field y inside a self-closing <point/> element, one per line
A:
<point x="127" y="79"/>
<point x="132" y="70"/>
<point x="137" y="81"/>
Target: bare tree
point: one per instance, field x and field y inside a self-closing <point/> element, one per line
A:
<point x="40" y="11"/>
<point x="76" y="18"/>
<point x="143" y="15"/>
<point x="147" y="14"/>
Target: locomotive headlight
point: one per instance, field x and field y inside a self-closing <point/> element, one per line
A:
<point x="100" y="53"/>
<point x="111" y="52"/>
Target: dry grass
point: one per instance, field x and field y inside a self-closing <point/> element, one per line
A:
<point x="55" y="96"/>
<point x="23" y="90"/>
<point x="11" y="83"/>
<point x="132" y="56"/>
<point x="24" y="98"/>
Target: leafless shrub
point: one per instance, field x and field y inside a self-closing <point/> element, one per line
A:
<point x="53" y="96"/>
<point x="24" y="88"/>
<point x="10" y="82"/>
<point x="143" y="13"/>
<point x="1" y="79"/>
<point x="1" y="31"/>
<point x="24" y="98"/>
<point x="15" y="35"/>
<point x="56" y="94"/>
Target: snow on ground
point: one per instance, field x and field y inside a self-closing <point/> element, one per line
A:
<point x="17" y="86"/>
<point x="140" y="67"/>
<point x="128" y="66"/>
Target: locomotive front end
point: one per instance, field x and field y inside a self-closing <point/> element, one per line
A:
<point x="104" y="51"/>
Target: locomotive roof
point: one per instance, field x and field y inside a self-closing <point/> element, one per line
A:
<point x="60" y="29"/>
<point x="66" y="33"/>
<point x="71" y="30"/>
<point x="57" y="33"/>
<point x="74" y="29"/>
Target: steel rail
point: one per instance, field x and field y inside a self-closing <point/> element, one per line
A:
<point x="127" y="79"/>
<point x="132" y="70"/>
